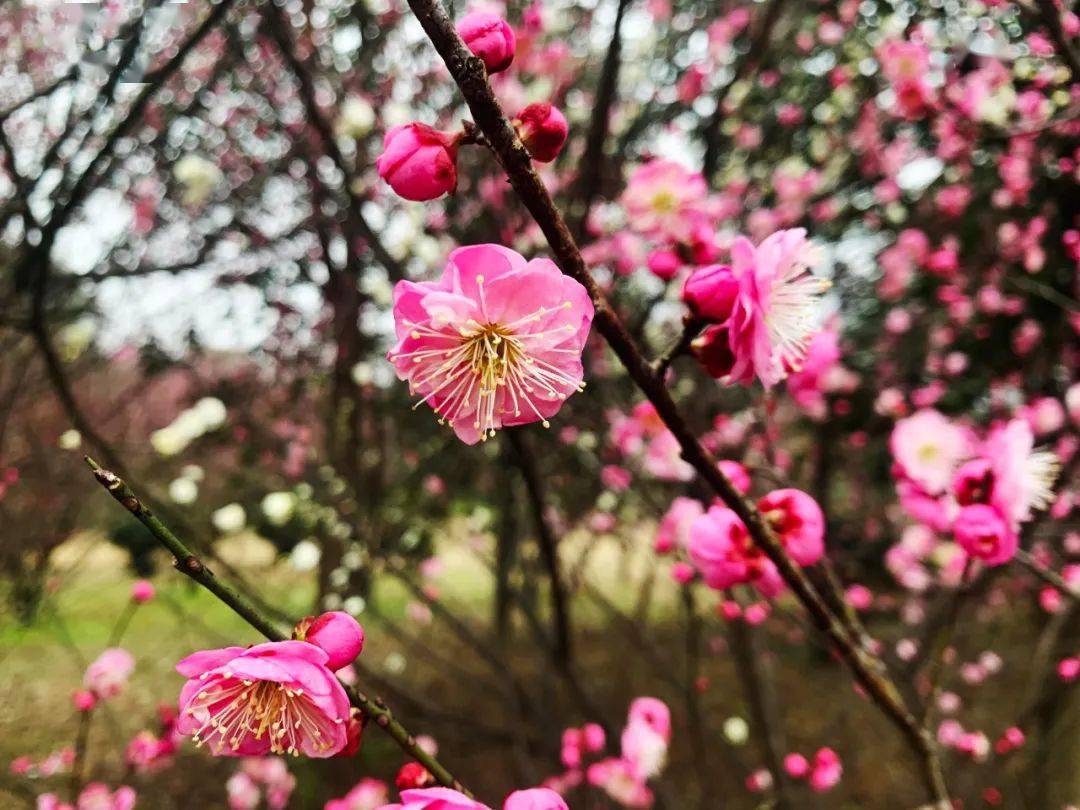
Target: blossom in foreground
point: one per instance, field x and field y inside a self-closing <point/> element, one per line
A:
<point x="496" y="342"/>
<point x="368" y="794"/>
<point x="419" y="162"/>
<point x="108" y="674"/>
<point x="490" y="37"/>
<point x="274" y="698"/>
<point x="442" y="798"/>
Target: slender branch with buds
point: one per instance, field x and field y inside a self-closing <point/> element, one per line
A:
<point x="189" y="564"/>
<point x="469" y="73"/>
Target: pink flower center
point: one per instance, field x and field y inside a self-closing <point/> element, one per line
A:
<point x="490" y="370"/>
<point x="239" y="708"/>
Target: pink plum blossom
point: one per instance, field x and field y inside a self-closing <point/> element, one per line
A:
<point x="798" y="521"/>
<point x="495" y="342"/>
<point x="108" y="674"/>
<point x="368" y="794"/>
<point x="663" y="199"/>
<point x="674" y="529"/>
<point x="535" y="799"/>
<point x="927" y="448"/>
<point x="277" y="697"/>
<point x="773" y="319"/>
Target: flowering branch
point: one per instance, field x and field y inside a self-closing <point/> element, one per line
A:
<point x="469" y="73"/>
<point x="188" y="563"/>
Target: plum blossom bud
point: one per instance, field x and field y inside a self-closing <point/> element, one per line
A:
<point x="682" y="573"/>
<point x="593" y="736"/>
<point x="664" y="264"/>
<point x="982" y="532"/>
<point x="827" y="770"/>
<point x="413" y="775"/>
<point x="83" y="700"/>
<point x="419" y="162"/>
<point x="107" y="676"/>
<point x="490" y="37"/>
<point x="543" y="130"/>
<point x="337" y="634"/>
<point x="354" y="732"/>
<point x="713" y="350"/>
<point x="796" y="765"/>
<point x="142" y="591"/>
<point x="710" y="292"/>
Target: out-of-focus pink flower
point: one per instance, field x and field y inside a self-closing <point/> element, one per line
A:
<point x="142" y="591"/>
<point x="721" y="549"/>
<point x="337" y="634"/>
<point x="773" y="319"/>
<point x="435" y="798"/>
<point x="495" y="342"/>
<point x="682" y="572"/>
<point x="534" y="799"/>
<point x="798" y="522"/>
<point x="735" y="473"/>
<point x="490" y="37"/>
<point x="107" y="676"/>
<point x="242" y="792"/>
<point x="827" y="770"/>
<point x="982" y="532"/>
<point x="543" y="130"/>
<point x="710" y="292"/>
<point x="94" y="796"/>
<point x="674" y="529"/>
<point x="83" y="700"/>
<point x="820" y="374"/>
<point x="368" y="794"/>
<point x="616" y="778"/>
<point x="616" y="478"/>
<point x="278" y="697"/>
<point x="663" y="458"/>
<point x="927" y="449"/>
<point x="147" y="753"/>
<point x="796" y="765"/>
<point x="665" y="200"/>
<point x="419" y="162"/>
<point x="1023" y="477"/>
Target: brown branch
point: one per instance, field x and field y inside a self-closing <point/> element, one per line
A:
<point x="592" y="159"/>
<point x="468" y="72"/>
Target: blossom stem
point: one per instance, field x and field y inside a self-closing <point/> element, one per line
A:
<point x="189" y="564"/>
<point x="469" y="74"/>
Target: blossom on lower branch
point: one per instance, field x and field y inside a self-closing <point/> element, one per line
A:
<point x="441" y="798"/>
<point x="495" y="342"/>
<point x="281" y="697"/>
